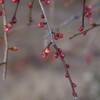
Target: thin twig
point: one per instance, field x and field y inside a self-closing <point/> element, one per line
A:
<point x="84" y="31"/>
<point x="2" y="63"/>
<point x="78" y="15"/>
<point x="14" y="16"/>
<point x="83" y="2"/>
<point x="6" y="43"/>
<point x="67" y="71"/>
<point x="46" y="21"/>
<point x="30" y="13"/>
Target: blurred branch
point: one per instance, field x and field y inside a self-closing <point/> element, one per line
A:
<point x="67" y="72"/>
<point x="74" y="17"/>
<point x="85" y="31"/>
<point x="30" y="13"/>
<point x="6" y="43"/>
<point x="71" y="19"/>
<point x="83" y="12"/>
<point x="66" y="22"/>
<point x="2" y="63"/>
<point x="51" y="12"/>
<point x="46" y="21"/>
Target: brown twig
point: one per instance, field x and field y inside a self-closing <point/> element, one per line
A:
<point x="84" y="31"/>
<point x="30" y="13"/>
<point x="46" y="21"/>
<point x="14" y="16"/>
<point x="2" y="63"/>
<point x="67" y="72"/>
<point x="83" y="2"/>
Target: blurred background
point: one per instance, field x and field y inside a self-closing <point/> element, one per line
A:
<point x="31" y="77"/>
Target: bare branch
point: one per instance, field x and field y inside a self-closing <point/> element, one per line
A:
<point x="71" y="19"/>
<point x="6" y="43"/>
<point x="84" y="31"/>
<point x="66" y="22"/>
<point x="30" y="13"/>
<point x="77" y="16"/>
<point x="67" y="72"/>
<point x="46" y="21"/>
<point x="2" y="63"/>
<point x="56" y="48"/>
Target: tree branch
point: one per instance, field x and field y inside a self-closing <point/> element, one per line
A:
<point x="58" y="52"/>
<point x="30" y="13"/>
<point x="84" y="31"/>
<point x="46" y="21"/>
<point x="6" y="43"/>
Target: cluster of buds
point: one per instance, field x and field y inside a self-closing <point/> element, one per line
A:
<point x="13" y="20"/>
<point x="58" y="35"/>
<point x="9" y="26"/>
<point x="88" y="12"/>
<point x="41" y="24"/>
<point x="46" y="51"/>
<point x="59" y="53"/>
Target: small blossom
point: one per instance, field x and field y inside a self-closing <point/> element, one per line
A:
<point x="44" y="54"/>
<point x="92" y="24"/>
<point x="74" y="85"/>
<point x="41" y="24"/>
<point x="67" y="66"/>
<point x="14" y="1"/>
<point x="60" y="35"/>
<point x="47" y="50"/>
<point x="47" y="2"/>
<point x="67" y="75"/>
<point x="55" y="56"/>
<point x="56" y="36"/>
<point x="81" y="28"/>
<point x="14" y="48"/>
<point x="62" y="55"/>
